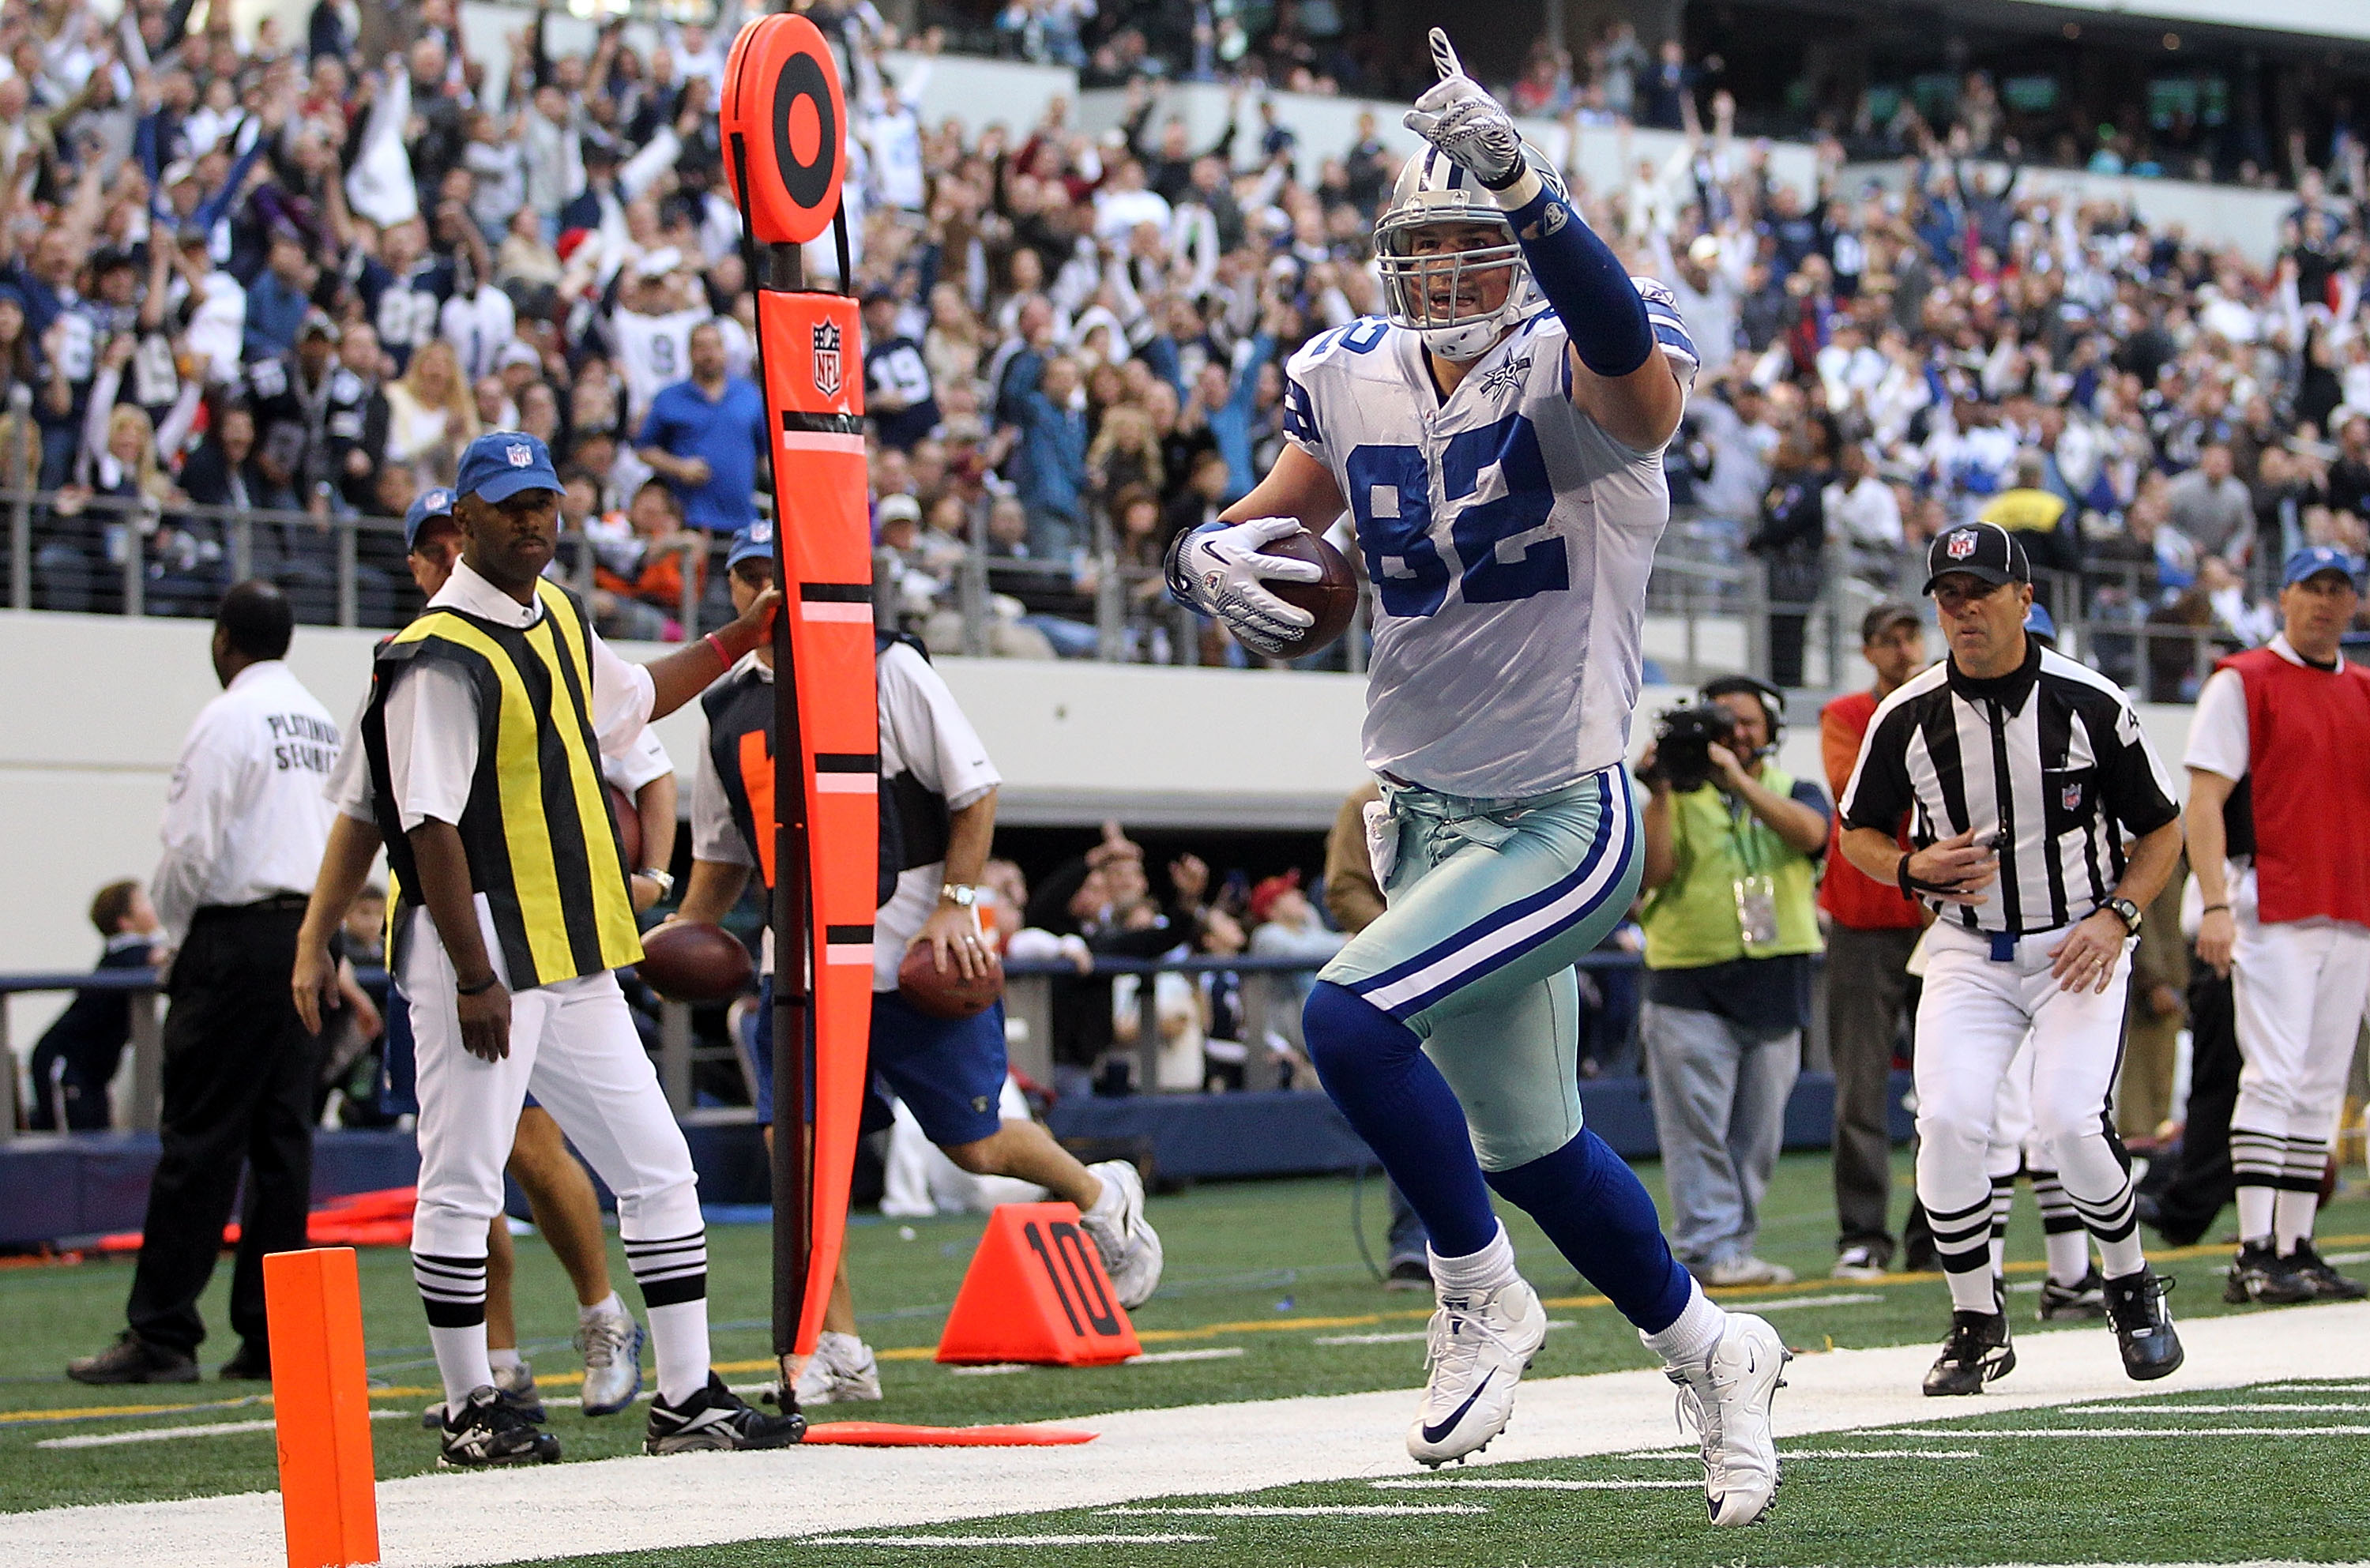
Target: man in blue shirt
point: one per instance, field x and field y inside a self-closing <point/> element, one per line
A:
<point x="704" y="437"/>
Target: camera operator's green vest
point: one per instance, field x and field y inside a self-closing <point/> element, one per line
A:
<point x="1691" y="921"/>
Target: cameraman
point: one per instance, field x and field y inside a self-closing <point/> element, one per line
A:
<point x="1732" y="848"/>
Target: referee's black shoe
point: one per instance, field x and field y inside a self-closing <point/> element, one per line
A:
<point x="483" y="1431"/>
<point x="715" y="1417"/>
<point x="1977" y="1352"/>
<point x="2327" y="1284"/>
<point x="2260" y="1276"/>
<point x="2143" y="1327"/>
<point x="2085" y="1297"/>
<point x="131" y="1359"/>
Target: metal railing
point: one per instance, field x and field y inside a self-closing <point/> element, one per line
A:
<point x="132" y="556"/>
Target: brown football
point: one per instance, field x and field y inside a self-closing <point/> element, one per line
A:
<point x="944" y="993"/>
<point x="691" y="960"/>
<point x="629" y="825"/>
<point x="1332" y="600"/>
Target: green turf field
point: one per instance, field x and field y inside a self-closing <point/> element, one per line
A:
<point x="1266" y="1273"/>
<point x="2187" y="1498"/>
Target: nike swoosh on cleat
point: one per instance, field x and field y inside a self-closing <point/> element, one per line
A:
<point x="1435" y="1434"/>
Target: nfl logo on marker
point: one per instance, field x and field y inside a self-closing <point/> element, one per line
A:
<point x="520" y="456"/>
<point x="1961" y="545"/>
<point x="826" y="358"/>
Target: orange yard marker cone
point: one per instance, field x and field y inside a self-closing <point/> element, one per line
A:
<point x="1036" y="1292"/>
<point x="328" y="1501"/>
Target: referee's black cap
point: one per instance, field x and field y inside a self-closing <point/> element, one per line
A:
<point x="1983" y="550"/>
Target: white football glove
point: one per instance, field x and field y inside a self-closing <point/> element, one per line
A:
<point x="1465" y="122"/>
<point x="1219" y="572"/>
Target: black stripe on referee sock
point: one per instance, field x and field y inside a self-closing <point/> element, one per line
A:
<point x="1976" y="1260"/>
<point x="676" y="1291"/>
<point x="2288" y="1183"/>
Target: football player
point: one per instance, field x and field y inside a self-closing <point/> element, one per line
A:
<point x="1498" y="437"/>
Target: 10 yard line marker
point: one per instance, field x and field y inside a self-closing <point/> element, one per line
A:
<point x="1309" y="1510"/>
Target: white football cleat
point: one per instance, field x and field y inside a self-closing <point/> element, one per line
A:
<point x="841" y="1371"/>
<point x="612" y="1344"/>
<point x="1130" y="1247"/>
<point x="1479" y="1346"/>
<point x="1726" y="1399"/>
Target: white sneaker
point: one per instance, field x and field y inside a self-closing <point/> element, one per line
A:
<point x="1857" y="1262"/>
<point x="1726" y="1399"/>
<point x="612" y="1344"/>
<point x="841" y="1371"/>
<point x="1479" y="1346"/>
<point x="1731" y="1273"/>
<point x="1130" y="1247"/>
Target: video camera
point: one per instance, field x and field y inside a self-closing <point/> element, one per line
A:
<point x="1683" y="740"/>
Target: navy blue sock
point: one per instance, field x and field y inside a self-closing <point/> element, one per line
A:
<point x="1598" y="1214"/>
<point x="1374" y="1069"/>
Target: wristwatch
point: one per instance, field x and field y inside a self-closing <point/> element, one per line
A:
<point x="665" y="878"/>
<point x="2123" y="909"/>
<point x="962" y="896"/>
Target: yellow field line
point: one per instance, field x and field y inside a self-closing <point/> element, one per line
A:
<point x="1158" y="1336"/>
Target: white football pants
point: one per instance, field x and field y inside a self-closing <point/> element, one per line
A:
<point x="2299" y="987"/>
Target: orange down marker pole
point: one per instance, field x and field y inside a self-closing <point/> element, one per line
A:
<point x="328" y="1500"/>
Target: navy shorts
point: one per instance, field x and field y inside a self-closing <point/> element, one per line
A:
<point x="949" y="1072"/>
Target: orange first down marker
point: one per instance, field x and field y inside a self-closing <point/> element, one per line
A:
<point x="328" y="1500"/>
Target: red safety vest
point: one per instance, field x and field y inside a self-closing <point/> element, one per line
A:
<point x="2308" y="786"/>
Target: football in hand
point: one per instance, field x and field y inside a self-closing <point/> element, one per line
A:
<point x="945" y="993"/>
<point x="1332" y="599"/>
<point x="691" y="960"/>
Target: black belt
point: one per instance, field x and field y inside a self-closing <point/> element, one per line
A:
<point x="277" y="903"/>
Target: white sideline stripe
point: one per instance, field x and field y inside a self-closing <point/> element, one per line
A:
<point x="1828" y="1453"/>
<point x="2316" y="1388"/>
<point x="2212" y="1410"/>
<point x="1030" y="1541"/>
<point x="167" y="1433"/>
<point x="688" y="1501"/>
<point x="994" y="1369"/>
<point x="1417" y="1336"/>
<point x="2149" y="1432"/>
<point x="1413" y="1484"/>
<point x="1218" y="1353"/>
<point x="1310" y="1510"/>
<point x="2346" y="1258"/>
<point x="1845" y="1299"/>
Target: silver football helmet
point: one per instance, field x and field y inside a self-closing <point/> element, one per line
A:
<point x="1436" y="293"/>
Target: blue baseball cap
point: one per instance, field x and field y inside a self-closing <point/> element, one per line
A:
<point x="501" y="463"/>
<point x="2314" y="559"/>
<point x="754" y="542"/>
<point x="2038" y="622"/>
<point x="428" y="503"/>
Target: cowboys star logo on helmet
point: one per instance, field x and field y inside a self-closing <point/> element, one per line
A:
<point x="826" y="358"/>
<point x="1961" y="545"/>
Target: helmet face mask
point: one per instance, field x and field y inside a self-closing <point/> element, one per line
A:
<point x="1451" y="268"/>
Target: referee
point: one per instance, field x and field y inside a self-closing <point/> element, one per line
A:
<point x="244" y="829"/>
<point x="2043" y="823"/>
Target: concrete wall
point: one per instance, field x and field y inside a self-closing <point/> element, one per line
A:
<point x="2221" y="214"/>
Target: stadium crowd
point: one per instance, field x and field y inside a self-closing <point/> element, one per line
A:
<point x="242" y="272"/>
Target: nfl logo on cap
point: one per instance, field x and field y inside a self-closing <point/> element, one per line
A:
<point x="1960" y="545"/>
<point x="520" y="456"/>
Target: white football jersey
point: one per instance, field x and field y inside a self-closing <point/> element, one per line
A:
<point x="1509" y="539"/>
<point x="653" y="351"/>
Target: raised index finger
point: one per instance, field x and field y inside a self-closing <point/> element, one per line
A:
<point x="1444" y="55"/>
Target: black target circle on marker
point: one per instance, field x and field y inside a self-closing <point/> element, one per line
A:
<point x="808" y="184"/>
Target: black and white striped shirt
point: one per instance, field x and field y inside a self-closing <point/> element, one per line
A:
<point x="2050" y="758"/>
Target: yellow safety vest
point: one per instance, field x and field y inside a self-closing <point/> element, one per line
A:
<point x="1692" y="921"/>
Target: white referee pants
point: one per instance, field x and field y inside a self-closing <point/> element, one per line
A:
<point x="2299" y="987"/>
<point x="573" y="1043"/>
<point x="1972" y="1019"/>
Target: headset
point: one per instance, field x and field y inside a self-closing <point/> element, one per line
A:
<point x="1773" y="704"/>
